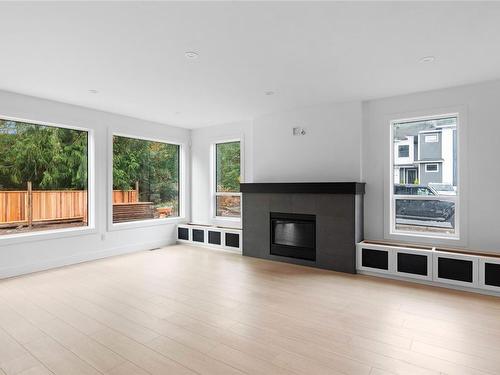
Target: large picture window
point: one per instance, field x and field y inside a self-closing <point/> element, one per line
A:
<point x="43" y="177"/>
<point x="227" y="179"/>
<point x="145" y="179"/>
<point x="424" y="196"/>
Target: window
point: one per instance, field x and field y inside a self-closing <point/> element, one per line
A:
<point x="43" y="177"/>
<point x="404" y="151"/>
<point x="431" y="138"/>
<point x="145" y="179"/>
<point x="432" y="168"/>
<point x="227" y="180"/>
<point x="418" y="208"/>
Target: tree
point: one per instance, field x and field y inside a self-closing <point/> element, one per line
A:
<point x="155" y="165"/>
<point x="228" y="167"/>
<point x="129" y="159"/>
<point x="56" y="158"/>
<point x="50" y="157"/>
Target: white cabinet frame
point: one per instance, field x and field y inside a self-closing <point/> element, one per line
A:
<point x="206" y="229"/>
<point x="482" y="273"/>
<point x="359" y="258"/>
<point x="427" y="253"/>
<point x="478" y="267"/>
<point x="475" y="268"/>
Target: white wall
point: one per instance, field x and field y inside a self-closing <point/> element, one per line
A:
<point x="201" y="193"/>
<point x="36" y="253"/>
<point x="330" y="150"/>
<point x="349" y="141"/>
<point x="481" y="167"/>
<point x="344" y="142"/>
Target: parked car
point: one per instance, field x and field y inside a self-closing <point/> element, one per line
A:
<point x="409" y="189"/>
<point x="423" y="209"/>
<point x="443" y="189"/>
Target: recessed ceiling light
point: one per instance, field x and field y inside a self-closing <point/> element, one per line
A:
<point x="427" y="59"/>
<point x="93" y="91"/>
<point x="269" y="93"/>
<point x="191" y="55"/>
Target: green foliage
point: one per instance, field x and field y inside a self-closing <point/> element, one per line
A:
<point x="154" y="165"/>
<point x="56" y="158"/>
<point x="49" y="157"/>
<point x="228" y="167"/>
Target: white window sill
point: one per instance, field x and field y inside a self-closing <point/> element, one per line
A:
<point x="227" y="218"/>
<point x="145" y="223"/>
<point x="12" y="239"/>
<point x="426" y="239"/>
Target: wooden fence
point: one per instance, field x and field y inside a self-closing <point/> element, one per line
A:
<point x="125" y="196"/>
<point x="51" y="205"/>
<point x="13" y="206"/>
<point x="59" y="205"/>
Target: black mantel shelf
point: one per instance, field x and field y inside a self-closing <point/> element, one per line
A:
<point x="305" y="187"/>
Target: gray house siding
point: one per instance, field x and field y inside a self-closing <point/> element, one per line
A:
<point x="415" y="148"/>
<point x="426" y="177"/>
<point x="430" y="151"/>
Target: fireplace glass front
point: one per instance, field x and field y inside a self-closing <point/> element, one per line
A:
<point x="293" y="235"/>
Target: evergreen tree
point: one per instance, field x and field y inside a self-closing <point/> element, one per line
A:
<point x="228" y="167"/>
<point x="49" y="157"/>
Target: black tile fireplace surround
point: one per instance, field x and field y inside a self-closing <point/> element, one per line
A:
<point x="313" y="224"/>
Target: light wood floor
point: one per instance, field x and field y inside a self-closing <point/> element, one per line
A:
<point x="186" y="310"/>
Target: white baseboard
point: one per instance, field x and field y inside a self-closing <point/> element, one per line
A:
<point x="210" y="247"/>
<point x="79" y="258"/>
<point x="430" y="283"/>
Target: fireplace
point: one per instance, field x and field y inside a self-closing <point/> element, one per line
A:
<point x="293" y="235"/>
<point x="325" y="237"/>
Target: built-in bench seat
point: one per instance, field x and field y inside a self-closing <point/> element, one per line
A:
<point x="443" y="266"/>
<point x="228" y="238"/>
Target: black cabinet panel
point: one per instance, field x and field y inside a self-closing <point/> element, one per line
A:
<point x="232" y="240"/>
<point x="183" y="233"/>
<point x="214" y="238"/>
<point x="412" y="263"/>
<point x="455" y="269"/>
<point x="492" y="274"/>
<point x="198" y="235"/>
<point x="375" y="259"/>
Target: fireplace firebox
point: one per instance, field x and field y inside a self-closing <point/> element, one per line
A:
<point x="335" y="211"/>
<point x="293" y="235"/>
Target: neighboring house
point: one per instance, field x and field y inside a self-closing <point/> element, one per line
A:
<point x="427" y="157"/>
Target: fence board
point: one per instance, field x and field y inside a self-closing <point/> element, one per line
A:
<point x="125" y="196"/>
<point x="56" y="205"/>
<point x="52" y="204"/>
<point x="12" y="206"/>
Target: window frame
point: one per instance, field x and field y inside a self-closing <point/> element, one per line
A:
<point x="182" y="184"/>
<point x="461" y="218"/>
<point x="90" y="228"/>
<point x="407" y="148"/>
<point x="213" y="183"/>
<point x="434" y="135"/>
<point x="430" y="171"/>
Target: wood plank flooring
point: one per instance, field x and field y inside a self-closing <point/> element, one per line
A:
<point x="188" y="310"/>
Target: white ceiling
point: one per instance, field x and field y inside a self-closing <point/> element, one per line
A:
<point x="308" y="53"/>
